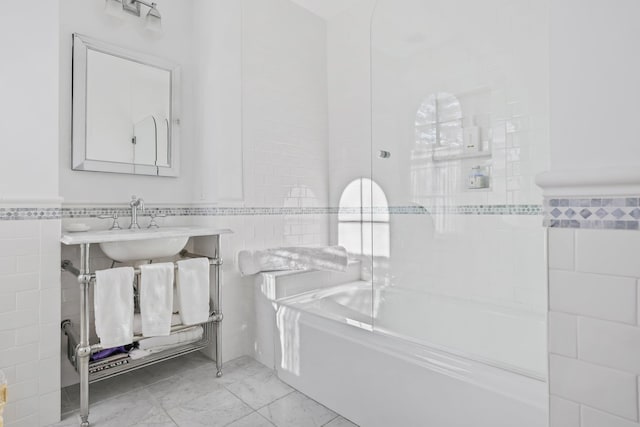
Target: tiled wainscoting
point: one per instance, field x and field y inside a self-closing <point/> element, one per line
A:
<point x="30" y="320"/>
<point x="594" y="332"/>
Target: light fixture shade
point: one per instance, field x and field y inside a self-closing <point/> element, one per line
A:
<point x="113" y="8"/>
<point x="154" y="20"/>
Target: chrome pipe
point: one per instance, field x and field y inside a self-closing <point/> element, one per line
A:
<point x="84" y="349"/>
<point x="216" y="309"/>
<point x="70" y="268"/>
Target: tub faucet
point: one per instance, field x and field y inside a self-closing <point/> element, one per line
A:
<point x="134" y="204"/>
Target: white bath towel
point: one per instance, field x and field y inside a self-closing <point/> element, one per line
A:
<point x="332" y="258"/>
<point x="156" y="298"/>
<point x="113" y="306"/>
<point x="137" y="322"/>
<point x="192" y="285"/>
<point x="156" y="344"/>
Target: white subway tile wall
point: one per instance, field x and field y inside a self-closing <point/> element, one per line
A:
<point x="564" y="412"/>
<point x="594" y="332"/>
<point x="30" y="320"/>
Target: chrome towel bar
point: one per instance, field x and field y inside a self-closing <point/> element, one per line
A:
<point x="68" y="266"/>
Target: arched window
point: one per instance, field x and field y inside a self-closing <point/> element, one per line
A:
<point x="363" y="219"/>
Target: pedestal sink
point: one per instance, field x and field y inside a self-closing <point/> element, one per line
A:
<point x="139" y="245"/>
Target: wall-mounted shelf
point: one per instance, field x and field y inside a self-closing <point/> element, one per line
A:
<point x="73" y="341"/>
<point x="461" y="156"/>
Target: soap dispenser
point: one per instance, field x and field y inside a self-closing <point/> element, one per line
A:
<point x="478" y="178"/>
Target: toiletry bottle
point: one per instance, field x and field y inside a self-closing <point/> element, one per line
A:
<point x="478" y="178"/>
<point x="471" y="137"/>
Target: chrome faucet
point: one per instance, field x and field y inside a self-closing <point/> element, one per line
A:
<point x="134" y="204"/>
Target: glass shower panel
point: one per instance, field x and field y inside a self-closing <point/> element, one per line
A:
<point x="460" y="101"/>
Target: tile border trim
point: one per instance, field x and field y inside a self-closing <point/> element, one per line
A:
<point x="268" y="211"/>
<point x="605" y="213"/>
<point x="18" y="214"/>
<point x="26" y="213"/>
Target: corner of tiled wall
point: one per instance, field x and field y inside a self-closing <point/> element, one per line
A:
<point x="594" y="330"/>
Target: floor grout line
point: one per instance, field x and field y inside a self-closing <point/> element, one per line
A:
<point x="176" y="376"/>
<point x="332" y="419"/>
<point x="275" y="400"/>
<point x="132" y="374"/>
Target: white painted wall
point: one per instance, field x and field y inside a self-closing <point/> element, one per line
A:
<point x="349" y="84"/>
<point x="218" y="46"/>
<point x="284" y="105"/>
<point x="595" y="84"/>
<point x="88" y="17"/>
<point x="29" y="102"/>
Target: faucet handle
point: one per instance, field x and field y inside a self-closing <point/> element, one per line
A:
<point x="153" y="216"/>
<point x="115" y="225"/>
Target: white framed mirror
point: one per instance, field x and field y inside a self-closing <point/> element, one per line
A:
<point x="125" y="110"/>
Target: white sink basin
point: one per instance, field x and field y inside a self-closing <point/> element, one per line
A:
<point x="137" y="250"/>
<point x="140" y="245"/>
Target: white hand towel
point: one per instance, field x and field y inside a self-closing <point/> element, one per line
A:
<point x="150" y="346"/>
<point x="330" y="258"/>
<point x="156" y="298"/>
<point x="137" y="321"/>
<point x="113" y="306"/>
<point x="192" y="285"/>
<point x="162" y="343"/>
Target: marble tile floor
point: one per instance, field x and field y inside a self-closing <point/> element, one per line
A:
<point x="186" y="392"/>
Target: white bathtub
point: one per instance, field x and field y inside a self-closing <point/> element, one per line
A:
<point x="326" y="347"/>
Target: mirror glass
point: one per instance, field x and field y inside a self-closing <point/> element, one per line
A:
<point x="124" y="111"/>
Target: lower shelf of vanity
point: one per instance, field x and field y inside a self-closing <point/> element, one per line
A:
<point x="128" y="364"/>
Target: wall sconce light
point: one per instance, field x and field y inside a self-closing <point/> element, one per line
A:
<point x="153" y="20"/>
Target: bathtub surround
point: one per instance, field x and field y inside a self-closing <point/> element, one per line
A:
<point x="594" y="332"/>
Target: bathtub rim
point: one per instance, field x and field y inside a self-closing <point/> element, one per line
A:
<point x="411" y="345"/>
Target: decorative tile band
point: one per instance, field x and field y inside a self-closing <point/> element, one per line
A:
<point x="484" y="210"/>
<point x="8" y="214"/>
<point x="266" y="211"/>
<point x="16" y="214"/>
<point x="621" y="213"/>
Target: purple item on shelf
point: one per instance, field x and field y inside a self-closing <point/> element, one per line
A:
<point x="107" y="352"/>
